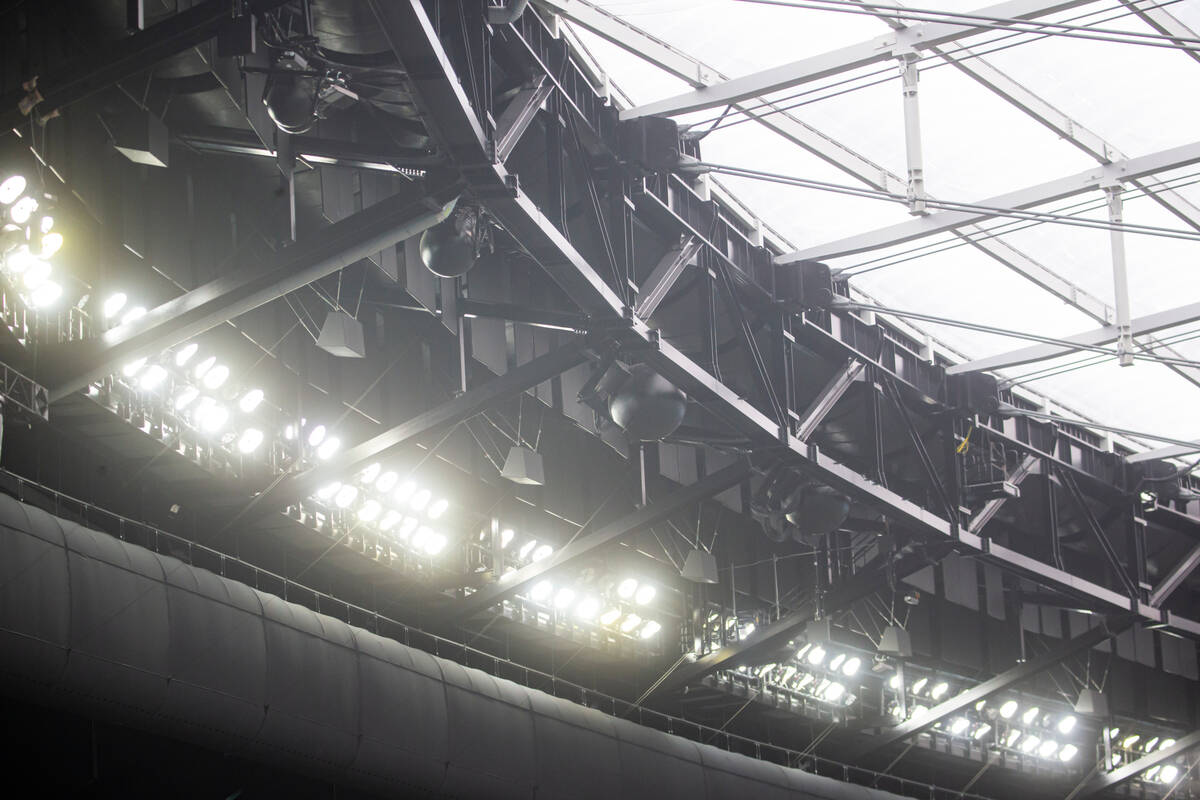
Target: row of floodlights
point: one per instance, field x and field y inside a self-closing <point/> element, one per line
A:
<point x="19" y="230"/>
<point x="590" y="608"/>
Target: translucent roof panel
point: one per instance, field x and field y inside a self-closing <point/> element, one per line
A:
<point x="983" y="135"/>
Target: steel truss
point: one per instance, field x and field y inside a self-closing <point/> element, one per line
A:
<point x="667" y="204"/>
<point x="773" y="117"/>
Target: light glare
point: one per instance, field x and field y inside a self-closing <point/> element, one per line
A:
<point x="11" y="188"/>
<point x="114" y="304"/>
<point x="250" y="401"/>
<point x="251" y="439"/>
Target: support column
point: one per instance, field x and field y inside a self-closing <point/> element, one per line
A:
<point x="912" y="134"/>
<point x="1116" y="216"/>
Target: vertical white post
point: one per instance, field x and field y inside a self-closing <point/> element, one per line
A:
<point x="1120" y="276"/>
<point x="912" y="134"/>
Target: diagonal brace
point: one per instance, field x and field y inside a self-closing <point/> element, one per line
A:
<point x="1094" y="526"/>
<point x="641" y="519"/>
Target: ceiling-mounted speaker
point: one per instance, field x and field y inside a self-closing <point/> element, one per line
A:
<point x="1091" y="703"/>
<point x="524" y="466"/>
<point x="342" y="336"/>
<point x="895" y="641"/>
<point x="141" y="137"/>
<point x="647" y="406"/>
<point x="700" y="567"/>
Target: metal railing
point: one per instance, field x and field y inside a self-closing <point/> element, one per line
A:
<point x="159" y="541"/>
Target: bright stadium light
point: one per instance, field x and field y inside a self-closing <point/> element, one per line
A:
<point x="370" y="511"/>
<point x="1066" y="724"/>
<point x="836" y="663"/>
<point x="645" y="594"/>
<point x="250" y="440"/>
<point x="328" y="448"/>
<point x="113" y="305"/>
<point x="23" y="209"/>
<point x="610" y="616"/>
<point x="816" y="655"/>
<point x="543" y="551"/>
<point x="541" y="591"/>
<point x="420" y="499"/>
<point x="216" y="376"/>
<point x="211" y="415"/>
<point x="630" y="622"/>
<point x="37" y="274"/>
<point x="316" y="436"/>
<point x="1008" y="708"/>
<point x="940" y="689"/>
<point x="386" y="482"/>
<point x="369" y="474"/>
<point x="438" y="507"/>
<point x="434" y="544"/>
<point x="152" y="378"/>
<point x="1030" y="715"/>
<point x="11" y="188"/>
<point x="959" y="725"/>
<point x="405" y="492"/>
<point x="46" y="224"/>
<point x="649" y="629"/>
<point x="588" y="608"/>
<point x="184" y="354"/>
<point x="345" y="496"/>
<point x="133" y="367"/>
<point x="1068" y="752"/>
<point x="564" y="598"/>
<point x="45" y="295"/>
<point x="204" y="366"/>
<point x="852" y="666"/>
<point x="250" y="401"/>
<point x="186" y="397"/>
<point x="1168" y="773"/>
<point x="506" y="537"/>
<point x="627" y="588"/>
<point x="51" y="244"/>
<point x="329" y="490"/>
<point x="834" y="691"/>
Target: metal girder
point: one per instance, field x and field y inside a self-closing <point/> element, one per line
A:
<point x="783" y="630"/>
<point x="835" y="62"/>
<point x="981" y="518"/>
<point x="1178" y="574"/>
<point x="71" y="366"/>
<point x="1048" y="192"/>
<point x="1098" y="336"/>
<point x="828" y="397"/>
<point x="311" y="149"/>
<point x="537" y="317"/>
<point x="1068" y="129"/>
<point x="770" y="115"/>
<point x="1107" y="780"/>
<point x="517" y="116"/>
<point x="1097" y="530"/>
<point x="127" y="58"/>
<point x="466" y="405"/>
<point x="1164" y="22"/>
<point x="651" y="514"/>
<point x="658" y="284"/>
<point x="409" y="28"/>
<point x="1108" y="628"/>
<point x="1170" y="451"/>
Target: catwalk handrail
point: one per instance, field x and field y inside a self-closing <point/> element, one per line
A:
<point x="158" y="540"/>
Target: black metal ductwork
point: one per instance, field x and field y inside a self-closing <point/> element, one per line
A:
<point x="98" y="624"/>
